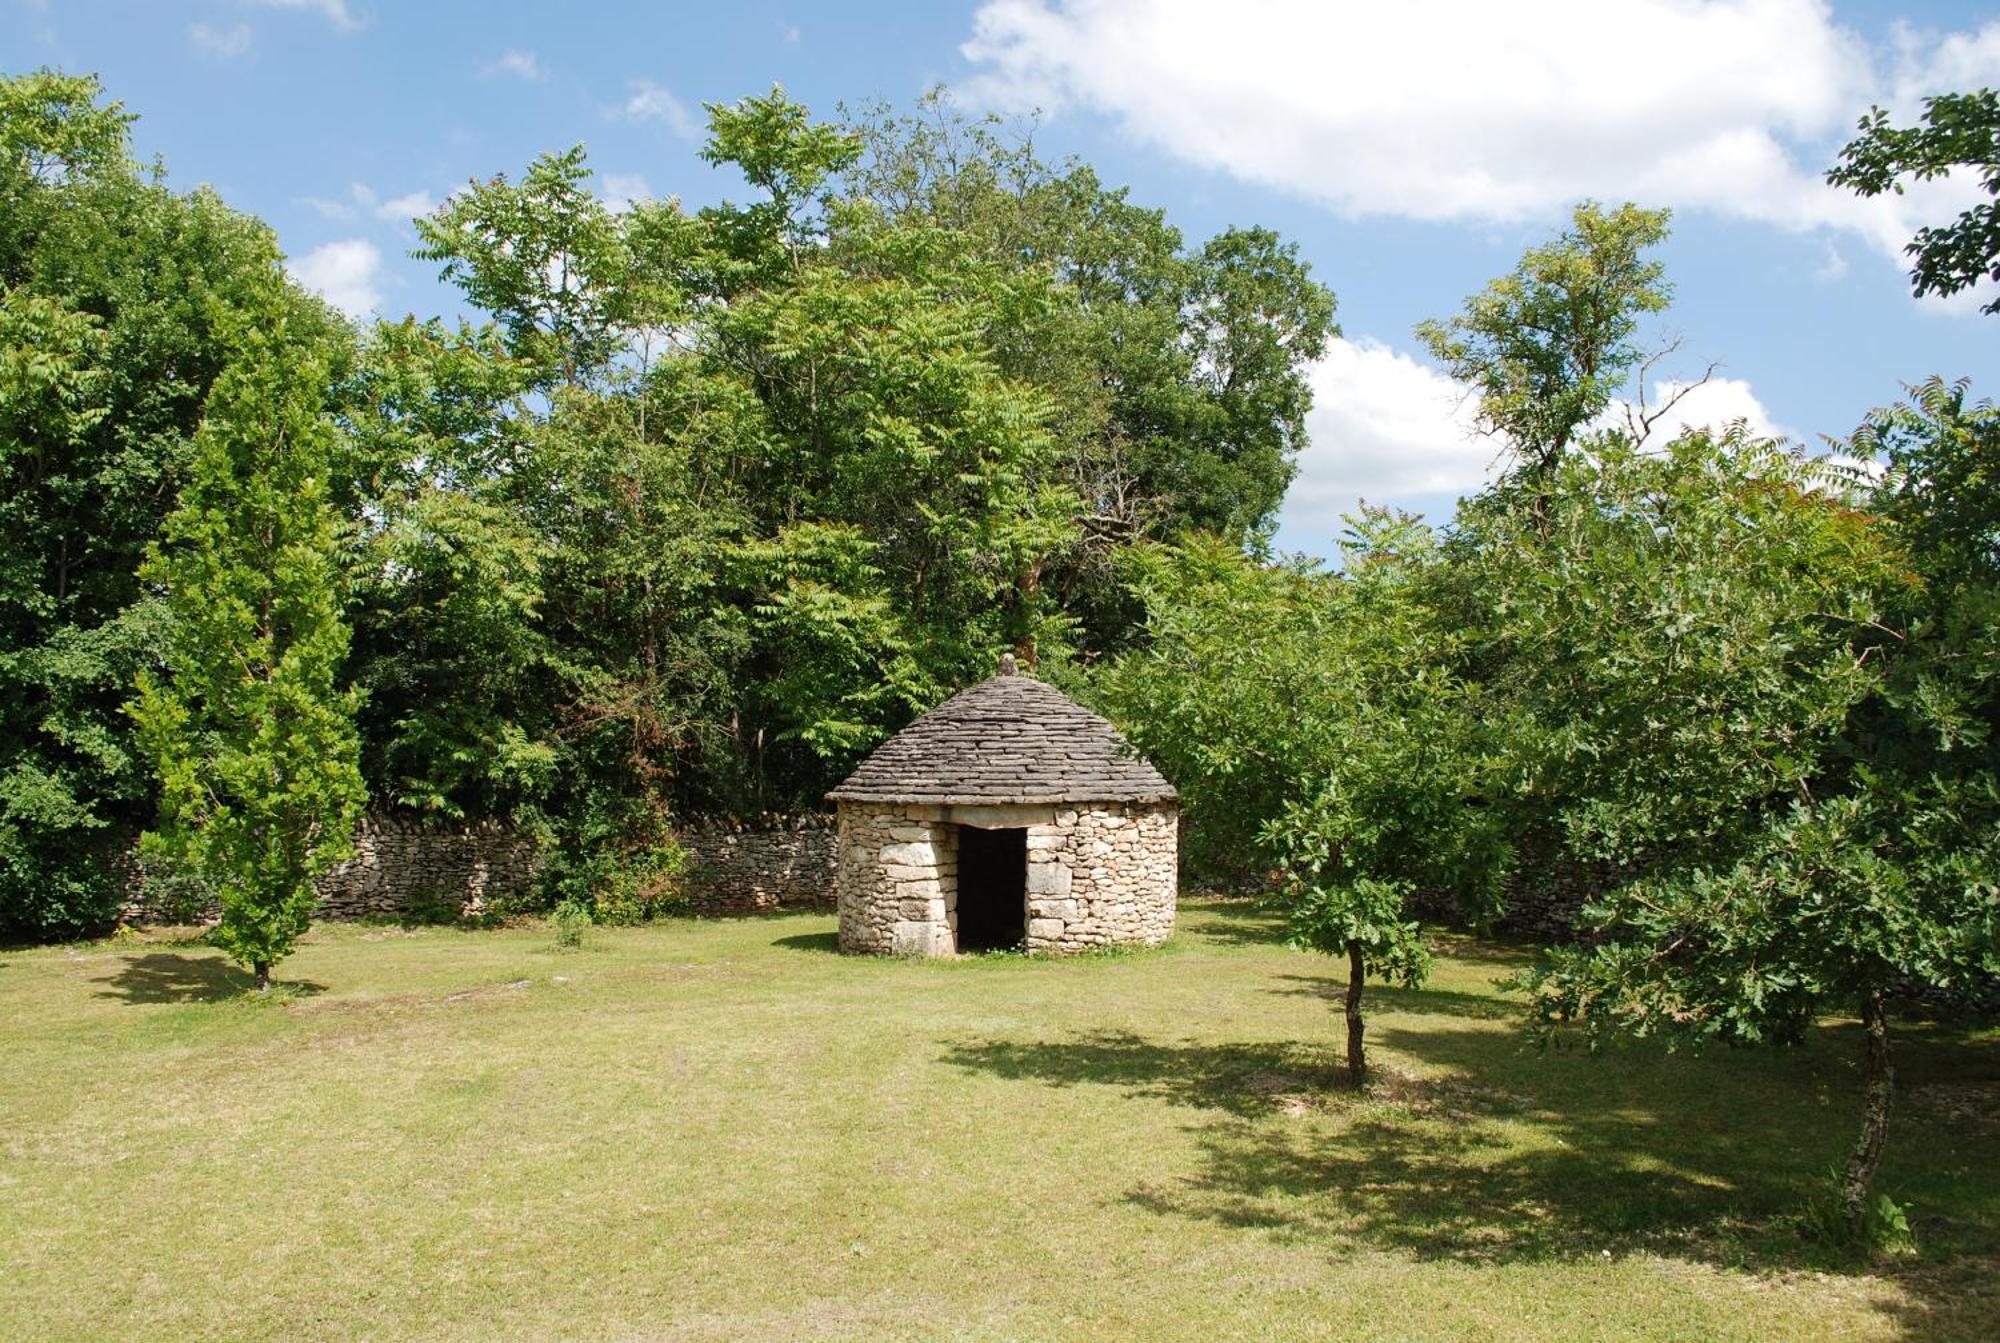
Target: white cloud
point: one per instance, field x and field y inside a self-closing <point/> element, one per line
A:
<point x="347" y="274"/>
<point x="1384" y="428"/>
<point x="519" y="64"/>
<point x="402" y="209"/>
<point x="223" y="43"/>
<point x="1391" y="430"/>
<point x="1467" y="110"/>
<point x="653" y="102"/>
<point x="1710" y="405"/>
<point x="336" y="11"/>
<point x="624" y="190"/>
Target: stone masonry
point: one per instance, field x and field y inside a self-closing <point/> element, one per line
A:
<point x="1097" y="876"/>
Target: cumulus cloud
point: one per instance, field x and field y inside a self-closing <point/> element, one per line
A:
<point x="624" y="190"/>
<point x="347" y="274"/>
<point x="654" y="102"/>
<point x="1389" y="429"/>
<point x="1384" y="428"/>
<point x="1710" y="405"/>
<point x="1466" y="110"/>
<point x="518" y="64"/>
<point x="222" y="43"/>
<point x="402" y="209"/>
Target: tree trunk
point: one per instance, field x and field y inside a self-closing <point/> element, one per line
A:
<point x="1357" y="1060"/>
<point x="1878" y="1089"/>
<point x="260" y="972"/>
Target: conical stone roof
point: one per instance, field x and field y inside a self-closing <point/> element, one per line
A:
<point x="1008" y="739"/>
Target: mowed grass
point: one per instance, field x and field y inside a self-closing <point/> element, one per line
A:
<point x="724" y="1130"/>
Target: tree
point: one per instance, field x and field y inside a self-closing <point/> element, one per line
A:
<point x="1178" y="374"/>
<point x="1319" y="724"/>
<point x="1405" y="801"/>
<point x="114" y="293"/>
<point x="253" y="739"/>
<point x="1713" y="650"/>
<point x="1546" y="348"/>
<point x="1958" y="131"/>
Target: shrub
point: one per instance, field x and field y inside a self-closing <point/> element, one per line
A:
<point x="571" y="917"/>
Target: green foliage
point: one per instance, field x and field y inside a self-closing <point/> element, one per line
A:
<point x="114" y="298"/>
<point x="571" y="919"/>
<point x="1958" y="132"/>
<point x="253" y="740"/>
<point x="1547" y="347"/>
<point x="1681" y="632"/>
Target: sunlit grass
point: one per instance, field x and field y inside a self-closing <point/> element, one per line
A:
<point x="725" y="1130"/>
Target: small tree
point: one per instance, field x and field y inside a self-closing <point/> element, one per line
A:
<point x="1402" y="804"/>
<point x="254" y="742"/>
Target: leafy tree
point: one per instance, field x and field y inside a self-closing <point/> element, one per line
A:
<point x="1405" y="801"/>
<point x="1546" y="348"/>
<point x="1178" y="374"/>
<point x="1320" y="724"/>
<point x="1702" y="643"/>
<point x="253" y="740"/>
<point x="1958" y="131"/>
<point x="114" y="293"/>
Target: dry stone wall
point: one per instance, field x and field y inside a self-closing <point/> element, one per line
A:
<point x="777" y="862"/>
<point x="400" y="864"/>
<point x="1097" y="875"/>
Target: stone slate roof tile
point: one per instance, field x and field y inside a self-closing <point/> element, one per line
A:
<point x="1008" y="739"/>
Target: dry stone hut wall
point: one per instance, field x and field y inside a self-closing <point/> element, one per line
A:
<point x="1100" y="875"/>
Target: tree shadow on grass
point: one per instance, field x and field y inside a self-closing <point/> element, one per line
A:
<point x="1492" y="1154"/>
<point x="809" y="942"/>
<point x="163" y="977"/>
<point x="1388" y="998"/>
<point x="1238" y="921"/>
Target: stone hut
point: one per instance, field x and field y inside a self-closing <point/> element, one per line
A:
<point x="1007" y="817"/>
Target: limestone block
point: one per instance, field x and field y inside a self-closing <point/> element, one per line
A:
<point x="919" y="938"/>
<point x="1064" y="910"/>
<point x="1044" y="930"/>
<point x="916" y="854"/>
<point x="900" y="872"/>
<point x="1048" y="879"/>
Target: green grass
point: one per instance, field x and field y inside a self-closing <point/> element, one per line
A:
<point x="724" y="1130"/>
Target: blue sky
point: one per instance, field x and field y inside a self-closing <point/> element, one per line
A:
<point x="1412" y="150"/>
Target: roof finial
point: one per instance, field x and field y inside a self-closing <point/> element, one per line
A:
<point x="1007" y="667"/>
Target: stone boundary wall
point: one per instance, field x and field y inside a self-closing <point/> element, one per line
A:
<point x="769" y="863"/>
<point x="397" y="864"/>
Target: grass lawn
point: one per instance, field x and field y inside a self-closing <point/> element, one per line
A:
<point x="724" y="1130"/>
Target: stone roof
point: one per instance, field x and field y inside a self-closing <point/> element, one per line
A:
<point x="1008" y="739"/>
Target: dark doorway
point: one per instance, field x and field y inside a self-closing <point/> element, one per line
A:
<point x="992" y="889"/>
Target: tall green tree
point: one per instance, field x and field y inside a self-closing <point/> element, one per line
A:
<point x="114" y="294"/>
<point x="1546" y="348"/>
<point x="1956" y="131"/>
<point x="1729" y="697"/>
<point x="251" y="734"/>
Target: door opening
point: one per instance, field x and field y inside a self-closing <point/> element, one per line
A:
<point x="992" y="889"/>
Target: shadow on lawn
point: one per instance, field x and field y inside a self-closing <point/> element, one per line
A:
<point x="809" y="942"/>
<point x="162" y="977"/>
<point x="1238" y="921"/>
<point x="1496" y="1155"/>
<point x="1387" y="998"/>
